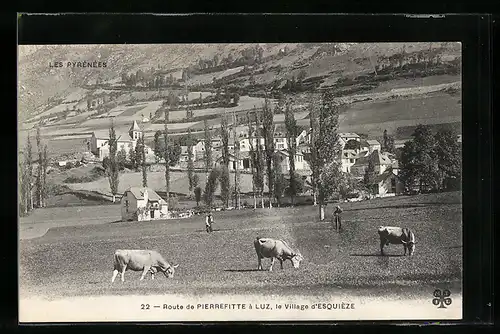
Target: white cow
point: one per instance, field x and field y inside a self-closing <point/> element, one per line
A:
<point x="141" y="260"/>
<point x="397" y="236"/>
<point x="276" y="249"/>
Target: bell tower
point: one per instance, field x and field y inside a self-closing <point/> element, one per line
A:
<point x="135" y="131"/>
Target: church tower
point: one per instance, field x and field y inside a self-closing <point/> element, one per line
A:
<point x="135" y="131"/>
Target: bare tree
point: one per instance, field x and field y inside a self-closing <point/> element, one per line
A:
<point x="166" y="152"/>
<point x="237" y="167"/>
<point x="291" y="129"/>
<point x="224" y="178"/>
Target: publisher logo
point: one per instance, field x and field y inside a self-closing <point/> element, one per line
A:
<point x="442" y="298"/>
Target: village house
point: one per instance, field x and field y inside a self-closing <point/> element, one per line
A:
<point x="380" y="161"/>
<point x="387" y="184"/>
<point x="185" y="153"/>
<point x="99" y="142"/>
<point x="373" y="145"/>
<point x="300" y="163"/>
<point x="143" y="204"/>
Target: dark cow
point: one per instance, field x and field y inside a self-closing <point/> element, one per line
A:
<point x="275" y="249"/>
<point x="141" y="260"/>
<point x="396" y="236"/>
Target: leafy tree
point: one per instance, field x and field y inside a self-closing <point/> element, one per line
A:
<point x="312" y="156"/>
<point x="197" y="195"/>
<point x="388" y="143"/>
<point x="196" y="180"/>
<point x="158" y="147"/>
<point x="211" y="186"/>
<point x="258" y="161"/>
<point x="132" y="158"/>
<point x="137" y="155"/>
<point x="121" y="158"/>
<point x="39" y="182"/>
<point x="252" y="158"/>
<point x="352" y="145"/>
<point x="419" y="160"/>
<point x="369" y="176"/>
<point x="207" y="154"/>
<point x="112" y="168"/>
<point x="291" y="134"/>
<point x="294" y="186"/>
<point x="328" y="150"/>
<point x="225" y="186"/>
<point x="268" y="131"/>
<point x="279" y="186"/>
<point x="449" y="153"/>
<point x="143" y="160"/>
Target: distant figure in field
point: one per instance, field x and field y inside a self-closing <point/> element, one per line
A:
<point x="337" y="217"/>
<point x="209" y="220"/>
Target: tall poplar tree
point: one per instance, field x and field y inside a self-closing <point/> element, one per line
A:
<point x="112" y="166"/>
<point x="268" y="131"/>
<point x="225" y="186"/>
<point x="328" y="151"/>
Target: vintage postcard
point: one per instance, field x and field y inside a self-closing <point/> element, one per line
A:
<point x="240" y="182"/>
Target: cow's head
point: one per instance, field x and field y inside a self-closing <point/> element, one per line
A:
<point x="170" y="271"/>
<point x="410" y="245"/>
<point x="296" y="258"/>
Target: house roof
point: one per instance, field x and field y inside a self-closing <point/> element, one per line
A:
<point x="138" y="193"/>
<point x="377" y="158"/>
<point x="363" y="143"/>
<point x="372" y="142"/>
<point x="135" y="127"/>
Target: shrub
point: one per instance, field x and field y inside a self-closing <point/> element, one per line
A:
<point x="173" y="202"/>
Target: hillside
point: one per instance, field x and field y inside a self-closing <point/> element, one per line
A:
<point x="327" y="62"/>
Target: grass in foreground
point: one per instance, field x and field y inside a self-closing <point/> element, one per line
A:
<point x="77" y="260"/>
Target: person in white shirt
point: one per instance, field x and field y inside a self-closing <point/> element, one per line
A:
<point x="209" y="220"/>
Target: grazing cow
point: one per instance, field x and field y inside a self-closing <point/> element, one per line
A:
<point x="275" y="249"/>
<point x="397" y="235"/>
<point x="141" y="260"/>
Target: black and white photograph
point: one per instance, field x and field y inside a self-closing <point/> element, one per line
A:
<point x="240" y="182"/>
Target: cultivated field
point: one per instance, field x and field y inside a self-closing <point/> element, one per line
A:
<point x="77" y="260"/>
<point x="156" y="180"/>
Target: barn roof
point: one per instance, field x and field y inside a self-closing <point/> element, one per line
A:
<point x="372" y="142"/>
<point x="138" y="193"/>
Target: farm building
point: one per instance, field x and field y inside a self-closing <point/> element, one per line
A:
<point x="373" y="145"/>
<point x="143" y="204"/>
<point x="284" y="161"/>
<point x="387" y="183"/>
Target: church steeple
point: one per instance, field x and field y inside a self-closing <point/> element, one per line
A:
<point x="135" y="131"/>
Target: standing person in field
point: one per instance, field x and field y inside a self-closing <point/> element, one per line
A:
<point x="209" y="220"/>
<point x="337" y="217"/>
